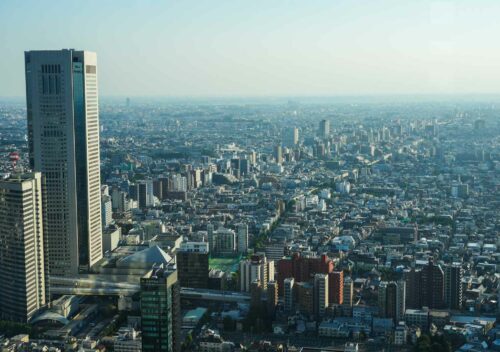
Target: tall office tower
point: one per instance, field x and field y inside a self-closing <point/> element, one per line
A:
<point x="242" y="238"/>
<point x="324" y="129"/>
<point x="272" y="297"/>
<point x="278" y="154"/>
<point x="23" y="273"/>
<point x="336" y="287"/>
<point x="256" y="268"/>
<point x="391" y="299"/>
<point x="288" y="287"/>
<point x="348" y="291"/>
<point x="192" y="264"/>
<point x="160" y="311"/>
<point x="320" y="294"/>
<point x="432" y="286"/>
<point x="146" y="196"/>
<point x="291" y="137"/>
<point x="453" y="292"/>
<point x="63" y="141"/>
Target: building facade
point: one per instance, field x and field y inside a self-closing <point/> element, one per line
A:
<point x="22" y="248"/>
<point x="63" y="141"/>
<point x="160" y="311"/>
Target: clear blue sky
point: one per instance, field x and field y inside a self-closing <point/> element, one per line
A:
<point x="260" y="48"/>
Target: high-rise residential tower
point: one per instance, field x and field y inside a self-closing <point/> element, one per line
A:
<point x="320" y="294"/>
<point x="63" y="140"/>
<point x="22" y="260"/>
<point x="391" y="299"/>
<point x="453" y="291"/>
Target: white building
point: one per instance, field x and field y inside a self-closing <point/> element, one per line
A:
<point x="321" y="293"/>
<point x="256" y="268"/>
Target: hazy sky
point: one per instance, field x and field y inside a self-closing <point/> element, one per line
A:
<point x="260" y="48"/>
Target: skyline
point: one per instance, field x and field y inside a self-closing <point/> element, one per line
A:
<point x="244" y="49"/>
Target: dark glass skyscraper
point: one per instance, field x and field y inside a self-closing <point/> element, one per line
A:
<point x="160" y="311"/>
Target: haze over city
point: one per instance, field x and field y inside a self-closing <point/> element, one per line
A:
<point x="264" y="48"/>
<point x="249" y="176"/>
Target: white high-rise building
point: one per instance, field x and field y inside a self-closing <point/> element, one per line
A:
<point x="242" y="238"/>
<point x="321" y="294"/>
<point x="256" y="268"/>
<point x="63" y="140"/>
<point x="22" y="258"/>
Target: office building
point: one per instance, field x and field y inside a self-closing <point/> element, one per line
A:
<point x="256" y="268"/>
<point x="63" y="142"/>
<point x="242" y="238"/>
<point x="22" y="254"/>
<point x="291" y="137"/>
<point x="324" y="129"/>
<point x="391" y="300"/>
<point x="320" y="294"/>
<point x="278" y="154"/>
<point x="146" y="195"/>
<point x="160" y="311"/>
<point x="453" y="291"/>
<point x="336" y="287"/>
<point x="192" y="264"/>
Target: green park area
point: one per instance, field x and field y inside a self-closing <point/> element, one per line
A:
<point x="225" y="263"/>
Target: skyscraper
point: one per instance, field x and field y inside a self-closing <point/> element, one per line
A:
<point x="160" y="311"/>
<point x="453" y="291"/>
<point x="22" y="260"/>
<point x="324" y="129"/>
<point x="291" y="137"/>
<point x="278" y="154"/>
<point x="63" y="141"/>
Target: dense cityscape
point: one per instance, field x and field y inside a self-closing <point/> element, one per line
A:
<point x="304" y="224"/>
